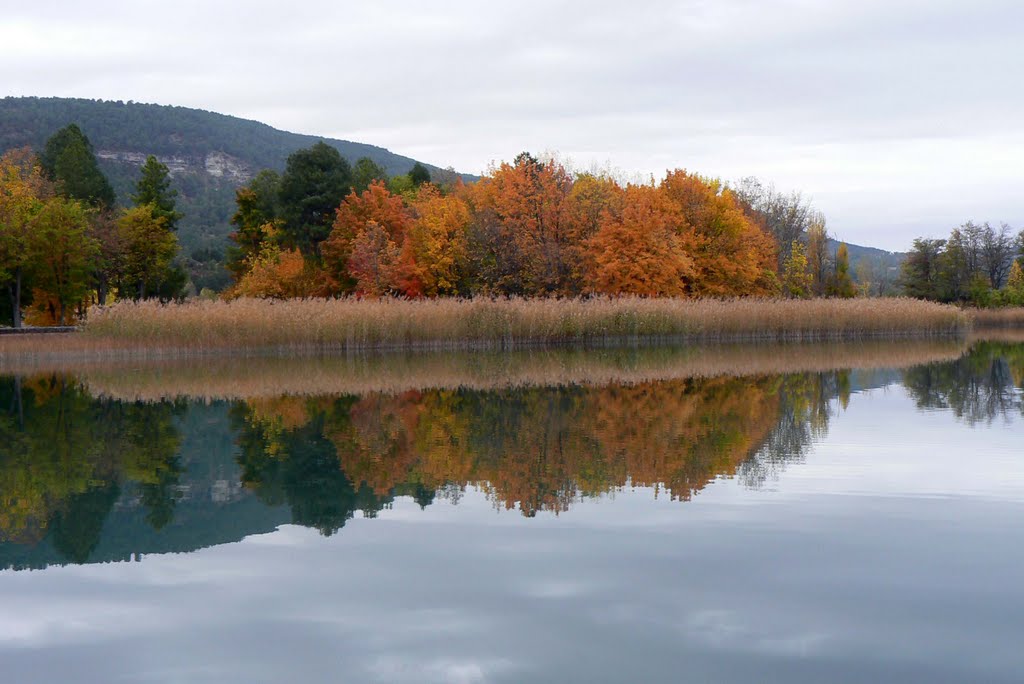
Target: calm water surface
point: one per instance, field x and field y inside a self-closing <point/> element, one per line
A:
<point x="854" y="525"/>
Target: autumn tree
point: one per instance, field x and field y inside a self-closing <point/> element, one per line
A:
<point x="153" y="189"/>
<point x="1012" y="293"/>
<point x="379" y="222"/>
<point x="69" y="161"/>
<point x="149" y="249"/>
<point x="1015" y="280"/>
<point x="817" y="253"/>
<point x="639" y="250"/>
<point x="438" y="240"/>
<point x="62" y="255"/>
<point x="275" y="273"/>
<point x="374" y="260"/>
<point x="257" y="208"/>
<point x="590" y="199"/>
<point x="732" y="255"/>
<point x="109" y="264"/>
<point x="22" y="192"/>
<point x="517" y="231"/>
<point x="314" y="183"/>
<point x="796" y="278"/>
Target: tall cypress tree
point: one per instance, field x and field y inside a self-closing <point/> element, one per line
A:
<point x="68" y="159"/>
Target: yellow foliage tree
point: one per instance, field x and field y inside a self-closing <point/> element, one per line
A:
<point x="796" y="279"/>
<point x="438" y="240"/>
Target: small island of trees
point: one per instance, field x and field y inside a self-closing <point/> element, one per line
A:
<point x="325" y="228"/>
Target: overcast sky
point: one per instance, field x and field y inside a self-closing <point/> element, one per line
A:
<point x="897" y="118"/>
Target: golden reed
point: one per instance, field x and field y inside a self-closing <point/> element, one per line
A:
<point x="362" y="324"/>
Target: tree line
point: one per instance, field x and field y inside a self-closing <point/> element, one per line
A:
<point x="979" y="263"/>
<point x="527" y="228"/>
<point x="325" y="228"/>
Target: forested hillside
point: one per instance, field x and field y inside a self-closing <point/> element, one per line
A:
<point x="208" y="154"/>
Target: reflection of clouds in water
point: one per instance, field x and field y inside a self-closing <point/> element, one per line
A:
<point x="558" y="588"/>
<point x="293" y="536"/>
<point x="27" y="621"/>
<point x="713" y="627"/>
<point x="440" y="670"/>
<point x="732" y="631"/>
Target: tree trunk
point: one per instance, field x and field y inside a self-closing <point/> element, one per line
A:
<point x="63" y="314"/>
<point x="16" y="299"/>
<point x="142" y="289"/>
<point x="101" y="292"/>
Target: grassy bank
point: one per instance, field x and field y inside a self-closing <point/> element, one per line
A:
<point x="350" y="324"/>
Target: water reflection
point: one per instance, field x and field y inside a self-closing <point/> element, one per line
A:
<point x="67" y="457"/>
<point x="86" y="478"/>
<point x="979" y="388"/>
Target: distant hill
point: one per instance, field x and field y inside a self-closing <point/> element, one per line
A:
<point x="879" y="266"/>
<point x="209" y="155"/>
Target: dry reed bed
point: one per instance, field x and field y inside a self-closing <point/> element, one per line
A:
<point x="353" y="324"/>
<point x="264" y="377"/>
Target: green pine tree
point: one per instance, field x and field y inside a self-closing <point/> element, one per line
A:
<point x="154" y="188"/>
<point x="69" y="160"/>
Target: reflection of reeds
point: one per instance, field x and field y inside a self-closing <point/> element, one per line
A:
<point x="506" y="323"/>
<point x="1008" y="335"/>
<point x="1012" y="317"/>
<point x="263" y="376"/>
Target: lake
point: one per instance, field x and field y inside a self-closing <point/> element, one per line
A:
<point x="793" y="513"/>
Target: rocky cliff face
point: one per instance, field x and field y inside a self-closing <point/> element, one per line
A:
<point x="215" y="164"/>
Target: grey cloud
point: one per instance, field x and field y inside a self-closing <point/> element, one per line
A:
<point x="729" y="88"/>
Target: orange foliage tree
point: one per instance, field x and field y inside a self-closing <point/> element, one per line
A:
<point x="639" y="250"/>
<point x="366" y="251"/>
<point x="732" y="254"/>
<point x="591" y="198"/>
<point x="275" y="273"/>
<point x="520" y="235"/>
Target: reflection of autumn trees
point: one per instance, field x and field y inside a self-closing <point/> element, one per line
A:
<point x="802" y="416"/>
<point x="981" y="386"/>
<point x="66" y="458"/>
<point x="536" y="448"/>
<point x="299" y="465"/>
